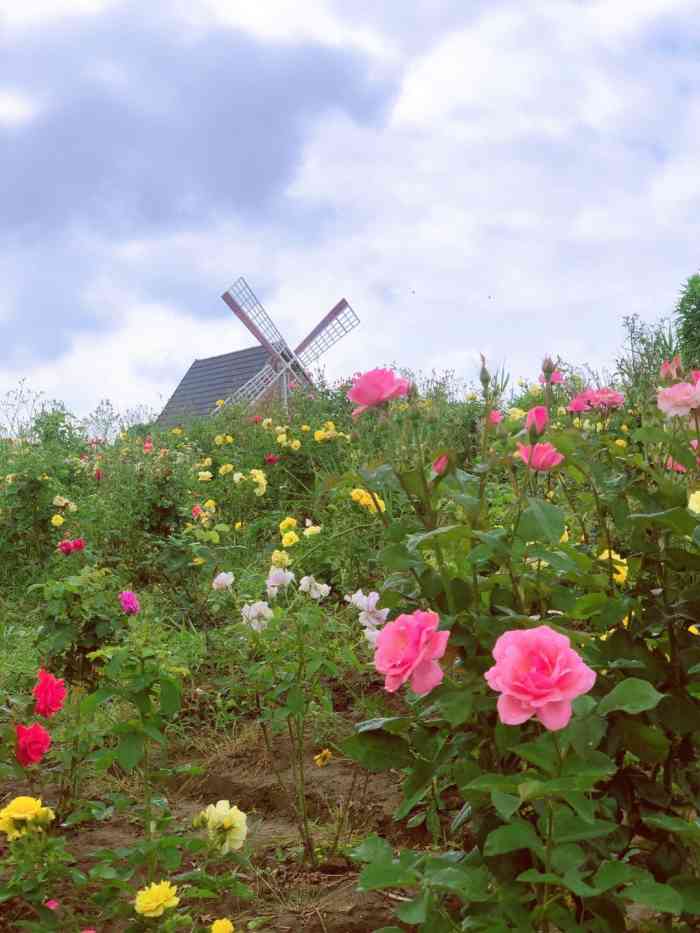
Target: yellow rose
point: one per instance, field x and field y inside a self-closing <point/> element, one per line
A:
<point x="281" y="439"/>
<point x="620" y="570"/>
<point x="624" y="428"/>
<point x="210" y="505"/>
<point x="280" y="559"/>
<point x="155" y="899"/>
<point x="312" y="530"/>
<point x="287" y="524"/>
<point x="289" y="539"/>
<point x="322" y="759"/>
<point x="222" y="926"/>
<point x="319" y="436"/>
<point x="57" y="520"/>
<point x="694" y="502"/>
<point x="226" y="825"/>
<point x="204" y="476"/>
<point x="305" y="428"/>
<point x="219" y="439"/>
<point x="515" y="414"/>
<point x="238" y="526"/>
<point x="220" y="403"/>
<point x="295" y="445"/>
<point x="60" y="501"/>
<point x="621" y="442"/>
<point x="565" y="537"/>
<point x="176" y="431"/>
<point x="267" y="423"/>
<point x="535" y="388"/>
<point x="197" y="561"/>
<point x="229" y="439"/>
<point x="225" y="469"/>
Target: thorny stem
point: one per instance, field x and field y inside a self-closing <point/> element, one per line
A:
<point x="344" y="813"/>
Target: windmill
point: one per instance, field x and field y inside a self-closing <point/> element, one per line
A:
<point x="282" y="360"/>
<point x="245" y="376"/>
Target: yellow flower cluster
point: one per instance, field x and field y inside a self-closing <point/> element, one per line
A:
<point x="515" y="414"/>
<point x="328" y="433"/>
<point x="155" y="899"/>
<point x="22" y="815"/>
<point x="226" y="826"/>
<point x="221" y="439"/>
<point x="288" y="524"/>
<point x="260" y="481"/>
<point x="367" y="500"/>
<point x="176" y="431"/>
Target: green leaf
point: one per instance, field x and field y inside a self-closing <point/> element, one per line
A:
<point x="541" y="752"/>
<point x="505" y="804"/>
<point x="373" y="848"/>
<point x="631" y="696"/>
<point x="129" y="752"/>
<point x="377" y="751"/>
<point x="570" y="827"/>
<point x="612" y="874"/>
<point x="541" y="521"/>
<point x="456" y="704"/>
<point x="689" y="889"/>
<point x="516" y="835"/>
<point x="660" y="897"/>
<point x="646" y="742"/>
<point x="394" y="724"/>
<point x="169" y="695"/>
<point x="471" y="884"/>
<point x="414" y="911"/>
<point x="674" y="824"/>
<point x="382" y="874"/>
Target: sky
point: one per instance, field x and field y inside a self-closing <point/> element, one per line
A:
<point x="498" y="177"/>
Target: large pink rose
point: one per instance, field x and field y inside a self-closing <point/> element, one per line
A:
<point x="376" y="387"/>
<point x="606" y="398"/>
<point x="679" y="399"/>
<point x="407" y="648"/>
<point x="581" y="402"/>
<point x="537" y="674"/>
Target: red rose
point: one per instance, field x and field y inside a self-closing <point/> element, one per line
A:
<point x="49" y="693"/>
<point x="33" y="742"/>
<point x="79" y="544"/>
<point x="65" y="546"/>
<point x="271" y="459"/>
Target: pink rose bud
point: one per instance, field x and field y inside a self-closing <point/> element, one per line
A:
<point x="52" y="904"/>
<point x="495" y="416"/>
<point x="440" y="464"/>
<point x="537" y="419"/>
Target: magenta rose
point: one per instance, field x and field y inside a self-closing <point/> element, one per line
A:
<point x="408" y="648"/>
<point x="129" y="602"/>
<point x="537" y="674"/>
<point x="375" y="388"/>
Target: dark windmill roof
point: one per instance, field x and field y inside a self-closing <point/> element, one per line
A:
<point x="211" y="379"/>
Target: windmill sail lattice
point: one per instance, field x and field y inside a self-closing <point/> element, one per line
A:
<point x="283" y="361"/>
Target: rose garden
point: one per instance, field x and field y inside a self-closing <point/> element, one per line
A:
<point x="393" y="659"/>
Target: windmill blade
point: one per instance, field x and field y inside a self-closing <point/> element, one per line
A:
<point x="242" y="301"/>
<point x="339" y="321"/>
<point x="255" y="387"/>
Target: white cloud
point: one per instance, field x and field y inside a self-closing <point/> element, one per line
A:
<point x="38" y="13"/>
<point x="287" y="21"/>
<point x="16" y="108"/>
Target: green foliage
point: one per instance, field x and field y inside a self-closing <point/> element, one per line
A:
<point x="688" y="318"/>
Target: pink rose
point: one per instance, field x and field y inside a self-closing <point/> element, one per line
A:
<point x="671" y="370"/>
<point x="542" y="457"/>
<point x="375" y="388"/>
<point x="256" y="419"/>
<point x="556" y="379"/>
<point x="537" y="419"/>
<point x="537" y="674"/>
<point x="65" y="546"/>
<point x="98" y="474"/>
<point x="407" y="648"/>
<point x="440" y="464"/>
<point x="679" y="399"/>
<point x="49" y="693"/>
<point x="52" y="904"/>
<point x="695" y="376"/>
<point x="148" y="446"/>
<point x="495" y="416"/>
<point x="33" y="742"/>
<point x="674" y="465"/>
<point x="581" y="402"/>
<point x="79" y="544"/>
<point x="606" y="398"/>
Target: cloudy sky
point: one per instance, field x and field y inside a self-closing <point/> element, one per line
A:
<point x="494" y="175"/>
